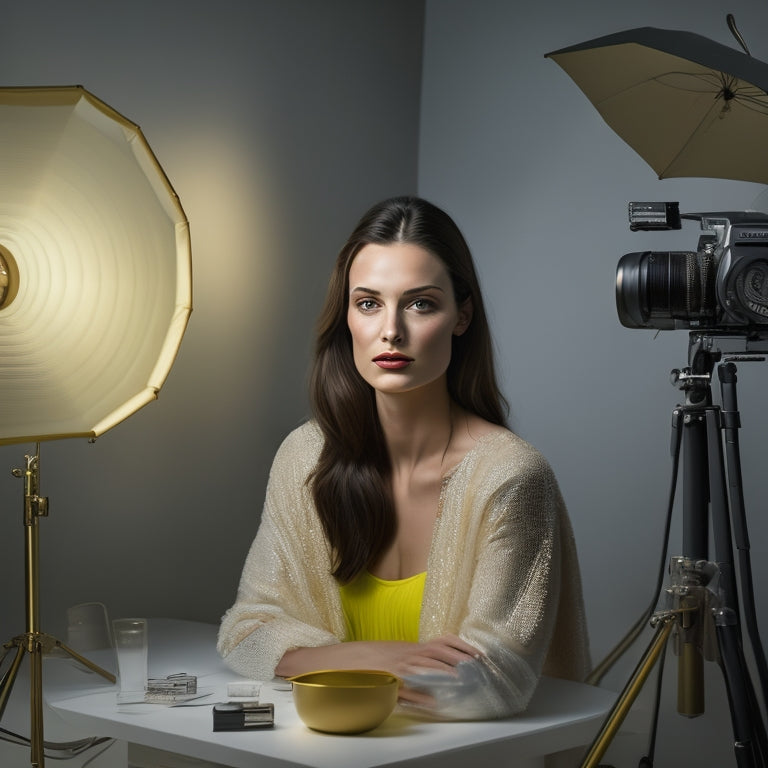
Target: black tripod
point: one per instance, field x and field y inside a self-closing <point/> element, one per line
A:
<point x="703" y="602"/>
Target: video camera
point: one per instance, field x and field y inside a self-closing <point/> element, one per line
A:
<point x="722" y="286"/>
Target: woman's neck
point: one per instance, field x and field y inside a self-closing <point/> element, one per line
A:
<point x="417" y="425"/>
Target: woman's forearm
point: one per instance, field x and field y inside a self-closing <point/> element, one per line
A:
<point x="351" y="655"/>
<point x="399" y="658"/>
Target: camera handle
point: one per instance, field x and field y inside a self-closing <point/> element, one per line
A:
<point x="700" y="426"/>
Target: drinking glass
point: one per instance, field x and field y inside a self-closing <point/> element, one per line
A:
<point x="132" y="652"/>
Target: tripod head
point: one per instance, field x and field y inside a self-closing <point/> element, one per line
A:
<point x="706" y="350"/>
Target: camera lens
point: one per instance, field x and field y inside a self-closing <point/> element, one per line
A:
<point x="662" y="289"/>
<point x="751" y="284"/>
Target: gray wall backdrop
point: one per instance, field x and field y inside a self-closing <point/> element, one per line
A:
<point x="278" y="123"/>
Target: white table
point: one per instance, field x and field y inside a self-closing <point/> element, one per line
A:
<point x="562" y="715"/>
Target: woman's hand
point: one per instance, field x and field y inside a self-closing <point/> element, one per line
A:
<point x="440" y="655"/>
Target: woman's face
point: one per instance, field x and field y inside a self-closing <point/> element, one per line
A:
<point x="402" y="316"/>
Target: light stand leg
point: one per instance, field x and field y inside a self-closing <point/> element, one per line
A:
<point x="626" y="699"/>
<point x="9" y="678"/>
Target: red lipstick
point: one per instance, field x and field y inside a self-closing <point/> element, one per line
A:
<point x="392" y="361"/>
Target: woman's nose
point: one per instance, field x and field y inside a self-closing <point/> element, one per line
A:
<point x="392" y="331"/>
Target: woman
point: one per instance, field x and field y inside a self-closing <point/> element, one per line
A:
<point x="405" y="527"/>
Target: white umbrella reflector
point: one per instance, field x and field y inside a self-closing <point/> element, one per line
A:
<point x="687" y="105"/>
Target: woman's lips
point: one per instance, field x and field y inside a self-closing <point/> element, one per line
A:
<point x="392" y="362"/>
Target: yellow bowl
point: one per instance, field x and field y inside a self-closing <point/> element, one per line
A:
<point x="344" y="701"/>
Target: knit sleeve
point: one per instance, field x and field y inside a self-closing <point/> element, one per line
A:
<point x="513" y="562"/>
<point x="286" y="598"/>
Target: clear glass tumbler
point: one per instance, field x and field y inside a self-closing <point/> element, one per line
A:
<point x="132" y="654"/>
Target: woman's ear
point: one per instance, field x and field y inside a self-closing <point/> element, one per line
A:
<point x="465" y="317"/>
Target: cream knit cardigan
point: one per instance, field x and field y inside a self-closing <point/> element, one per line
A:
<point x="502" y="573"/>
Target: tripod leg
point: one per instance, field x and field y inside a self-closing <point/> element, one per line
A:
<point x="631" y="691"/>
<point x="731" y="424"/>
<point x="748" y="729"/>
<point x="9" y="678"/>
<point x="85" y="662"/>
<point x="746" y="737"/>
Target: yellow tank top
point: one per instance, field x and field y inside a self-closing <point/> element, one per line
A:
<point x="376" y="609"/>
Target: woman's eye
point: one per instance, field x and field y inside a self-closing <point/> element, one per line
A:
<point x="366" y="305"/>
<point x="423" y="305"/>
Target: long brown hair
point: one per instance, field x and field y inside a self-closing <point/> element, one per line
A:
<point x="351" y="484"/>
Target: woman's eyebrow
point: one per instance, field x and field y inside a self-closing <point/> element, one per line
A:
<point x="422" y="289"/>
<point x="409" y="292"/>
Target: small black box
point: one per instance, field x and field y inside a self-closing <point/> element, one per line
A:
<point x="242" y="716"/>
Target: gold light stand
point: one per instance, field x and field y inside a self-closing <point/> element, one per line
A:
<point x="688" y="613"/>
<point x="93" y="239"/>
<point x="33" y="641"/>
